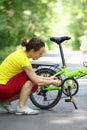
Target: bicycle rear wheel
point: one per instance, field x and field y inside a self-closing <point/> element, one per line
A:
<point x="45" y="99"/>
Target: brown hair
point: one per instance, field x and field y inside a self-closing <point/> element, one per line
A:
<point x="34" y="43"/>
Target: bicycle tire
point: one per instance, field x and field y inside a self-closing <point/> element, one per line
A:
<point x="36" y="97"/>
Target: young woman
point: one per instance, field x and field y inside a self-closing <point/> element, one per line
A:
<point x="18" y="79"/>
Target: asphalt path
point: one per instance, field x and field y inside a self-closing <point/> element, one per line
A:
<point x="61" y="117"/>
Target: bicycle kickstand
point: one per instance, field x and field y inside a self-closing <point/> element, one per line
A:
<point x="71" y="99"/>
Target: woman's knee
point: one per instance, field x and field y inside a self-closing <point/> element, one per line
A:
<point x="28" y="84"/>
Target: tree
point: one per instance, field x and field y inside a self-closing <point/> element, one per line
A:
<point x="42" y="18"/>
<point x="21" y="19"/>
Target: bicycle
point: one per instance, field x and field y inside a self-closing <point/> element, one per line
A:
<point x="48" y="96"/>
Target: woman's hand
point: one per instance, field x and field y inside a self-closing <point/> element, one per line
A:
<point x="57" y="82"/>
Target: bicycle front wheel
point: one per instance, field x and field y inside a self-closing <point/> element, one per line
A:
<point x="45" y="99"/>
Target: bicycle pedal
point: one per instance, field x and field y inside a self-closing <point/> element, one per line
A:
<point x="68" y="100"/>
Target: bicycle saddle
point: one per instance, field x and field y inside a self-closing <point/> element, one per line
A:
<point x="59" y="40"/>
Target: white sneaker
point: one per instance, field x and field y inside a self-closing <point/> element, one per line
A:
<point x="26" y="111"/>
<point x="7" y="107"/>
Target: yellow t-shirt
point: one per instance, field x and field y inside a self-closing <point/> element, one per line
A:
<point x="13" y="65"/>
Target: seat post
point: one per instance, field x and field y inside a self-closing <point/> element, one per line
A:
<point x="62" y="55"/>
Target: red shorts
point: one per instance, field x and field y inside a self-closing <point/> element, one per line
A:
<point x="14" y="86"/>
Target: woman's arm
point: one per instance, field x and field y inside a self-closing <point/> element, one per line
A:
<point x="48" y="78"/>
<point x="40" y="80"/>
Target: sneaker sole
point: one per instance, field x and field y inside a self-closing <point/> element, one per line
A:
<point x="20" y="113"/>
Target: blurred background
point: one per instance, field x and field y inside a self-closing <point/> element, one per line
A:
<point x="21" y="19"/>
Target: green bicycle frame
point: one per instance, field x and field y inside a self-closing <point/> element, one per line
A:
<point x="80" y="72"/>
<point x="76" y="74"/>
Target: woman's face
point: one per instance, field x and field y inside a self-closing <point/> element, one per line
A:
<point x="37" y="54"/>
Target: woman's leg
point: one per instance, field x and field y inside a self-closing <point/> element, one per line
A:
<point x="13" y="87"/>
<point x="17" y="96"/>
<point x="24" y="93"/>
<point x="8" y="101"/>
<point x="19" y="87"/>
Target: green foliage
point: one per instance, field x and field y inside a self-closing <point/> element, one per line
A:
<point x="42" y="18"/>
<point x="21" y="19"/>
<point x="77" y="21"/>
<point x="5" y="51"/>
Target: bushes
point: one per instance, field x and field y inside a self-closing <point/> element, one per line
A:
<point x="5" y="51"/>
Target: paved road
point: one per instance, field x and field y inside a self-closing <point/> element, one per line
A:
<point x="63" y="116"/>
